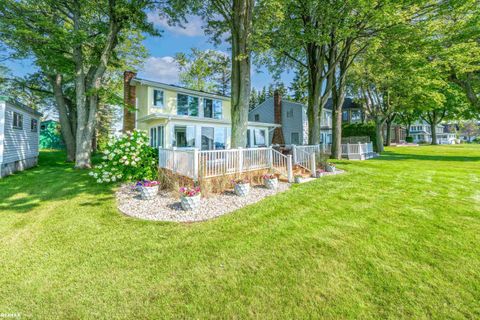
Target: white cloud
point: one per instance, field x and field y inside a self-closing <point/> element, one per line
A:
<point x="163" y="69"/>
<point x="192" y="28"/>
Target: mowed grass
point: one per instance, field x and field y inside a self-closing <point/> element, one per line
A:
<point x="395" y="237"/>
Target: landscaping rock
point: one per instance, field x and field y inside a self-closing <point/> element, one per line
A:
<point x="167" y="207"/>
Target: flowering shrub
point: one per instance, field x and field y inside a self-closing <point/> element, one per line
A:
<point x="189" y="192"/>
<point x="128" y="158"/>
<point x="331" y="164"/>
<point x="240" y="181"/>
<point x="269" y="176"/>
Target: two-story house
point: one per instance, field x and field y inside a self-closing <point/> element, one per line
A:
<point x="421" y="132"/>
<point x="352" y="112"/>
<point x="184" y="118"/>
<point x="292" y="116"/>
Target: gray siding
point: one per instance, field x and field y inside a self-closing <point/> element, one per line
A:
<point x="19" y="144"/>
<point x="294" y="118"/>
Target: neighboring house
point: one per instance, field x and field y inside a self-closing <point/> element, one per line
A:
<point x="292" y="116"/>
<point x="50" y="136"/>
<point x="184" y="118"/>
<point x="352" y="112"/>
<point x="19" y="127"/>
<point x="421" y="132"/>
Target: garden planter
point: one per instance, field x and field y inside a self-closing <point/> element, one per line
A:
<point x="320" y="174"/>
<point x="148" y="193"/>
<point x="298" y="179"/>
<point x="329" y="168"/>
<point x="271" y="183"/>
<point x="242" y="189"/>
<point x="190" y="203"/>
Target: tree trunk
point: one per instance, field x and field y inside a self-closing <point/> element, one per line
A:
<point x="338" y="99"/>
<point x="68" y="133"/>
<point x="241" y="85"/>
<point x="313" y="103"/>
<point x="388" y="134"/>
<point x="379" y="134"/>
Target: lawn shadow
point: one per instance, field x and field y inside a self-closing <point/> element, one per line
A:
<point x="53" y="179"/>
<point x="393" y="156"/>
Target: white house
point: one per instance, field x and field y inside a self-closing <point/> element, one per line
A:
<point x="19" y="126"/>
<point x="421" y="132"/>
<point x="178" y="117"/>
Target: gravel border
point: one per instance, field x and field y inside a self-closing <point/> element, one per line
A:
<point x="166" y="206"/>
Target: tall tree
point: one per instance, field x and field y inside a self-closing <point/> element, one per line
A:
<point x="208" y="70"/>
<point x="73" y="43"/>
<point x="234" y="18"/>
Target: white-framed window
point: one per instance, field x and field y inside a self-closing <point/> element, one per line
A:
<point x="157" y="137"/>
<point x="34" y="125"/>
<point x="184" y="136"/>
<point x="187" y="105"/>
<point x="257" y="117"/>
<point x="158" y="98"/>
<point x="259" y="137"/>
<point x="17" y="122"/>
<point x="212" y="108"/>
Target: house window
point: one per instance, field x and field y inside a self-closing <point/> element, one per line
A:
<point x="259" y="137"/>
<point x="158" y="98"/>
<point x="17" y="120"/>
<point x="157" y="137"/>
<point x="187" y="105"/>
<point x="295" y="138"/>
<point x="34" y="125"/>
<point x="356" y="115"/>
<point x="345" y="116"/>
<point x="184" y="136"/>
<point x="207" y="138"/>
<point x="220" y="138"/>
<point x="290" y="113"/>
<point x="212" y="108"/>
<point x="257" y="117"/>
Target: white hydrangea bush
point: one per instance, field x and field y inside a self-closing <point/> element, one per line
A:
<point x="127" y="158"/>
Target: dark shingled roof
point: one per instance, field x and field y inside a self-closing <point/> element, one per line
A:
<point x="23" y="107"/>
<point x="348" y="103"/>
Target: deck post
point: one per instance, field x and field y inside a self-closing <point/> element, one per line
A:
<point x="348" y="151"/>
<point x="195" y="164"/>
<point x="313" y="165"/>
<point x="174" y="160"/>
<point x="270" y="160"/>
<point x="289" y="168"/>
<point x="294" y="152"/>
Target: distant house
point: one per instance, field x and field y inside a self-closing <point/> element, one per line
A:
<point x="292" y="116"/>
<point x="50" y="136"/>
<point x="352" y="112"/>
<point x="19" y="136"/>
<point x="178" y="117"/>
<point x="421" y="132"/>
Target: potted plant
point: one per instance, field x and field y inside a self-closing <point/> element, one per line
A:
<point x="270" y="181"/>
<point x="148" y="189"/>
<point x="190" y="198"/>
<point x="298" y="178"/>
<point x="330" y="167"/>
<point x="320" y="173"/>
<point x="241" y="187"/>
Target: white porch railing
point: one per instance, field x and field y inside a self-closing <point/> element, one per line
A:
<point x="352" y="151"/>
<point x="197" y="164"/>
<point x="305" y="157"/>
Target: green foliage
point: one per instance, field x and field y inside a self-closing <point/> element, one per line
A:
<point x="360" y="130"/>
<point x="128" y="158"/>
<point x="208" y="70"/>
<point x="409" y="139"/>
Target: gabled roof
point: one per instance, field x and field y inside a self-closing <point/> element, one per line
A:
<point x="348" y="103"/>
<point x="21" y="106"/>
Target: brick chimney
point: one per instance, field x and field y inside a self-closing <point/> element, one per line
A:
<point x="129" y="99"/>
<point x="277" y="137"/>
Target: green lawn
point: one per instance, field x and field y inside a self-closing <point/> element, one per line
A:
<point x="395" y="237"/>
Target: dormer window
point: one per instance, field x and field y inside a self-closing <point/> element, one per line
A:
<point x="158" y="98"/>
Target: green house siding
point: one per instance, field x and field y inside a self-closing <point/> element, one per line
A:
<point x="50" y="137"/>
